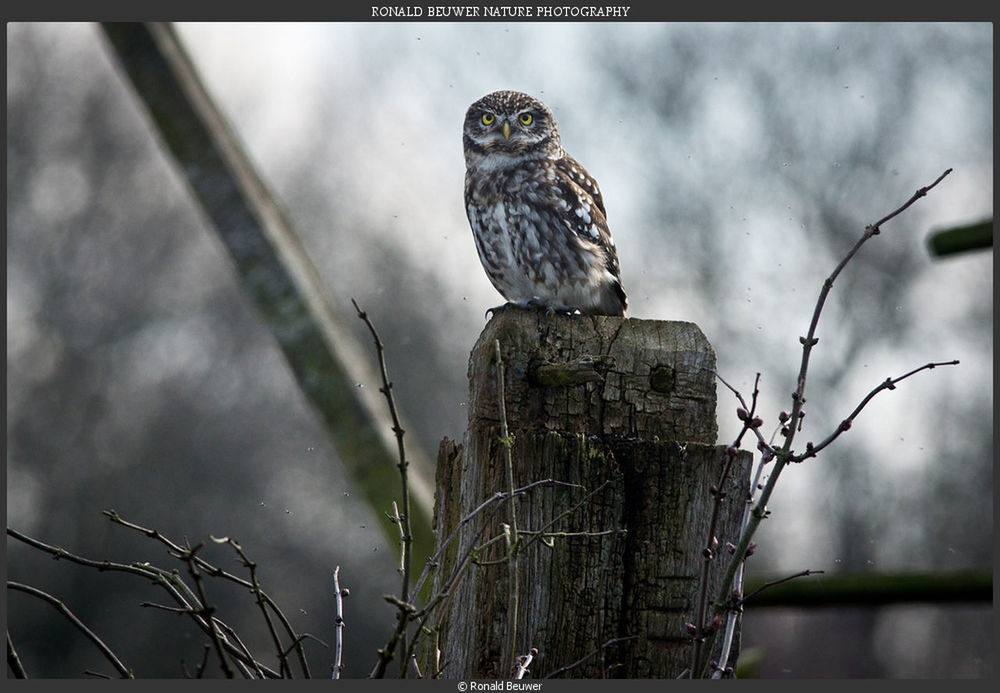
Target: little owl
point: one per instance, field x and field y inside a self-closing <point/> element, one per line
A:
<point x="537" y="216"/>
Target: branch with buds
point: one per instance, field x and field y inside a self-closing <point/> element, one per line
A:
<point x="728" y="602"/>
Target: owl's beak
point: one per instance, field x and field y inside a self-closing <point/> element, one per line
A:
<point x="506" y="130"/>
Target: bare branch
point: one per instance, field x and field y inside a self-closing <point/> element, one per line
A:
<point x="750" y="422"/>
<point x="123" y="671"/>
<point x="170" y="581"/>
<point x="523" y="662"/>
<point x="261" y="600"/>
<point x="784" y="455"/>
<point x="609" y="643"/>
<point x="403" y="519"/>
<point x="402" y="464"/>
<point x="845" y="425"/>
<point x="772" y="583"/>
<point x="253" y="585"/>
<point x="510" y="530"/>
<point x="249" y="658"/>
<point x="432" y="562"/>
<point x="339" y="595"/>
<point x="13" y="661"/>
<point x="810" y="340"/>
<point x="205" y="610"/>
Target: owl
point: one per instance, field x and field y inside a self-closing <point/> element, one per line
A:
<point x="537" y="216"/>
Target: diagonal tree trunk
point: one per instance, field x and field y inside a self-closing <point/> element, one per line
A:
<point x="274" y="271"/>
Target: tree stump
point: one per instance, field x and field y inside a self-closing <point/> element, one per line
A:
<point x="613" y="421"/>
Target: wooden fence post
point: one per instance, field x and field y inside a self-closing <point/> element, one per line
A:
<point x="624" y="410"/>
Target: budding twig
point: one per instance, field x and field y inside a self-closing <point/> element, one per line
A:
<point x="784" y="454"/>
<point x="845" y="425"/>
<point x="751" y="422"/>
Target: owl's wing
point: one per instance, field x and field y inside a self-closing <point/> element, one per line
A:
<point x="573" y="172"/>
<point x="583" y="208"/>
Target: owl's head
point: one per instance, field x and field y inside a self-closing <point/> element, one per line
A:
<point x="509" y="125"/>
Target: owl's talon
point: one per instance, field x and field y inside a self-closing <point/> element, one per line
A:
<point x="494" y="309"/>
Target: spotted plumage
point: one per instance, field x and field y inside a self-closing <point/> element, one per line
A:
<point x="537" y="216"/>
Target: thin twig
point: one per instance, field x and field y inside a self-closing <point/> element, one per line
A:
<point x="763" y="444"/>
<point x="845" y="425"/>
<point x="510" y="530"/>
<point x="177" y="551"/>
<point x="406" y="534"/>
<point x="432" y="562"/>
<point x="523" y="662"/>
<point x="772" y="583"/>
<point x="123" y="671"/>
<point x="445" y="592"/>
<point x="206" y="651"/>
<point x="205" y="610"/>
<point x="408" y="612"/>
<point x="809" y="341"/>
<point x="168" y="580"/>
<point x="440" y="599"/>
<point x="609" y="643"/>
<point x="339" y="595"/>
<point x="303" y="638"/>
<point x="181" y="610"/>
<point x="14" y="661"/>
<point x="261" y="601"/>
<point x="249" y="658"/>
<point x="95" y="674"/>
<point x="750" y="422"/>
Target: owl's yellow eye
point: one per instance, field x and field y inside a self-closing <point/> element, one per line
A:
<point x="488" y="118"/>
<point x="525" y="119"/>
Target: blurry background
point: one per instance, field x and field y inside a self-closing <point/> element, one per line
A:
<point x="738" y="162"/>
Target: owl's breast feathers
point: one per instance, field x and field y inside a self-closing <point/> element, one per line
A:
<point x="542" y="235"/>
